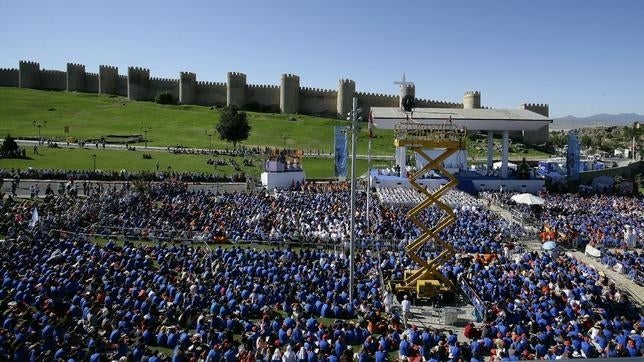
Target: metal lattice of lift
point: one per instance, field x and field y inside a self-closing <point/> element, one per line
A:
<point x="427" y="281"/>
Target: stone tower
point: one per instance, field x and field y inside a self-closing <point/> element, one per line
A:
<point x="346" y="91"/>
<point x="75" y="77"/>
<point x="236" y="92"/>
<point x="541" y="135"/>
<point x="290" y="93"/>
<point x="28" y="74"/>
<point x="472" y="100"/>
<point x="108" y="79"/>
<point x="187" y="87"/>
<point x="409" y="89"/>
<point x="138" y="84"/>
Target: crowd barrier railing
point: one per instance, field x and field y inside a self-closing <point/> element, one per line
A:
<point x="476" y="301"/>
<point x="612" y="262"/>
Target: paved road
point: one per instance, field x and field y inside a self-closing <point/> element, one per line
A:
<point x="112" y="146"/>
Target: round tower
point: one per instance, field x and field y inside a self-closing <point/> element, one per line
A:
<point x="472" y="100"/>
<point x="236" y="92"/>
<point x="346" y="91"/>
<point x="409" y="89"/>
<point x="187" y="87"/>
<point x="290" y="93"/>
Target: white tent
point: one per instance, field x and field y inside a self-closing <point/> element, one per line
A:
<point x="511" y="166"/>
<point x="528" y="199"/>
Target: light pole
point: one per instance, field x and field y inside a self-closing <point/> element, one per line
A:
<point x="39" y="125"/>
<point x="209" y="141"/>
<point x="145" y="131"/>
<point x="355" y="118"/>
<point x="94" y="159"/>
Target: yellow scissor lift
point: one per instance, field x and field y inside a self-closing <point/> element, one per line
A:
<point x="427" y="281"/>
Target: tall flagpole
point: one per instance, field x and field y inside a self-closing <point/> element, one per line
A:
<point x="354" y="134"/>
<point x="369" y="172"/>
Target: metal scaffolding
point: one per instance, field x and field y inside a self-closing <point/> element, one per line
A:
<point x="427" y="281"/>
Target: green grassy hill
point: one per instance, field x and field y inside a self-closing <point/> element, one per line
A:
<point x="90" y="116"/>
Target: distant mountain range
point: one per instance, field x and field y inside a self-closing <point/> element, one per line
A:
<point x="602" y="119"/>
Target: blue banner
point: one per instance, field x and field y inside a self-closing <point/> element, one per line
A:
<point x="572" y="156"/>
<point x="340" y="142"/>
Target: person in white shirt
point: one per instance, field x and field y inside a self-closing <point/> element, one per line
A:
<point x="388" y="301"/>
<point x="289" y="355"/>
<point x="405" y="305"/>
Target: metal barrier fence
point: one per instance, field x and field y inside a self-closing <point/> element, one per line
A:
<point x="477" y="302"/>
<point x="633" y="274"/>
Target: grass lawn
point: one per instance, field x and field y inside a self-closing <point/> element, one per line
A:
<point x="90" y="116"/>
<point x="81" y="159"/>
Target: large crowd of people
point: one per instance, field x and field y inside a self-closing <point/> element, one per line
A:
<point x="123" y="175"/>
<point x="65" y="297"/>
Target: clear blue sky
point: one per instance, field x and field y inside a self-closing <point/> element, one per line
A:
<point x="582" y="57"/>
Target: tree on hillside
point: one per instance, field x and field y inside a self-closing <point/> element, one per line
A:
<point x="10" y="148"/>
<point x="233" y="126"/>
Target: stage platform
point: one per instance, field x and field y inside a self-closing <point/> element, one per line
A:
<point x="468" y="181"/>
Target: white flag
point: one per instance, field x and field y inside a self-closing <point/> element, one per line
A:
<point x="34" y="218"/>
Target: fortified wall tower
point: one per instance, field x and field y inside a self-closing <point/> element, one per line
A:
<point x="236" y="94"/>
<point x="108" y="79"/>
<point x="472" y="100"/>
<point x="405" y="90"/>
<point x="138" y="84"/>
<point x="346" y="91"/>
<point x="75" y="77"/>
<point x="28" y="74"/>
<point x="290" y="93"/>
<point x="187" y="85"/>
<point x="540" y="135"/>
<point x="287" y="97"/>
<point x="9" y="77"/>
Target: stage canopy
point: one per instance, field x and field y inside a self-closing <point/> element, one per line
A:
<point x="472" y="119"/>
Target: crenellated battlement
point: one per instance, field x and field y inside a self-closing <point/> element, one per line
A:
<point x="204" y="83"/>
<point x="438" y="104"/>
<point x="378" y="95"/>
<point x="539" y="108"/>
<point x="288" y="95"/>
<point x="50" y="72"/>
<point x="139" y="70"/>
<point x="9" y="77"/>
<point x="75" y="66"/>
<point x="187" y="75"/>
<point x="29" y="63"/>
<point x="262" y="86"/>
<point x="166" y="80"/>
<point x="317" y="90"/>
<point x="108" y="67"/>
<point x="28" y="74"/>
<point x="534" y="105"/>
